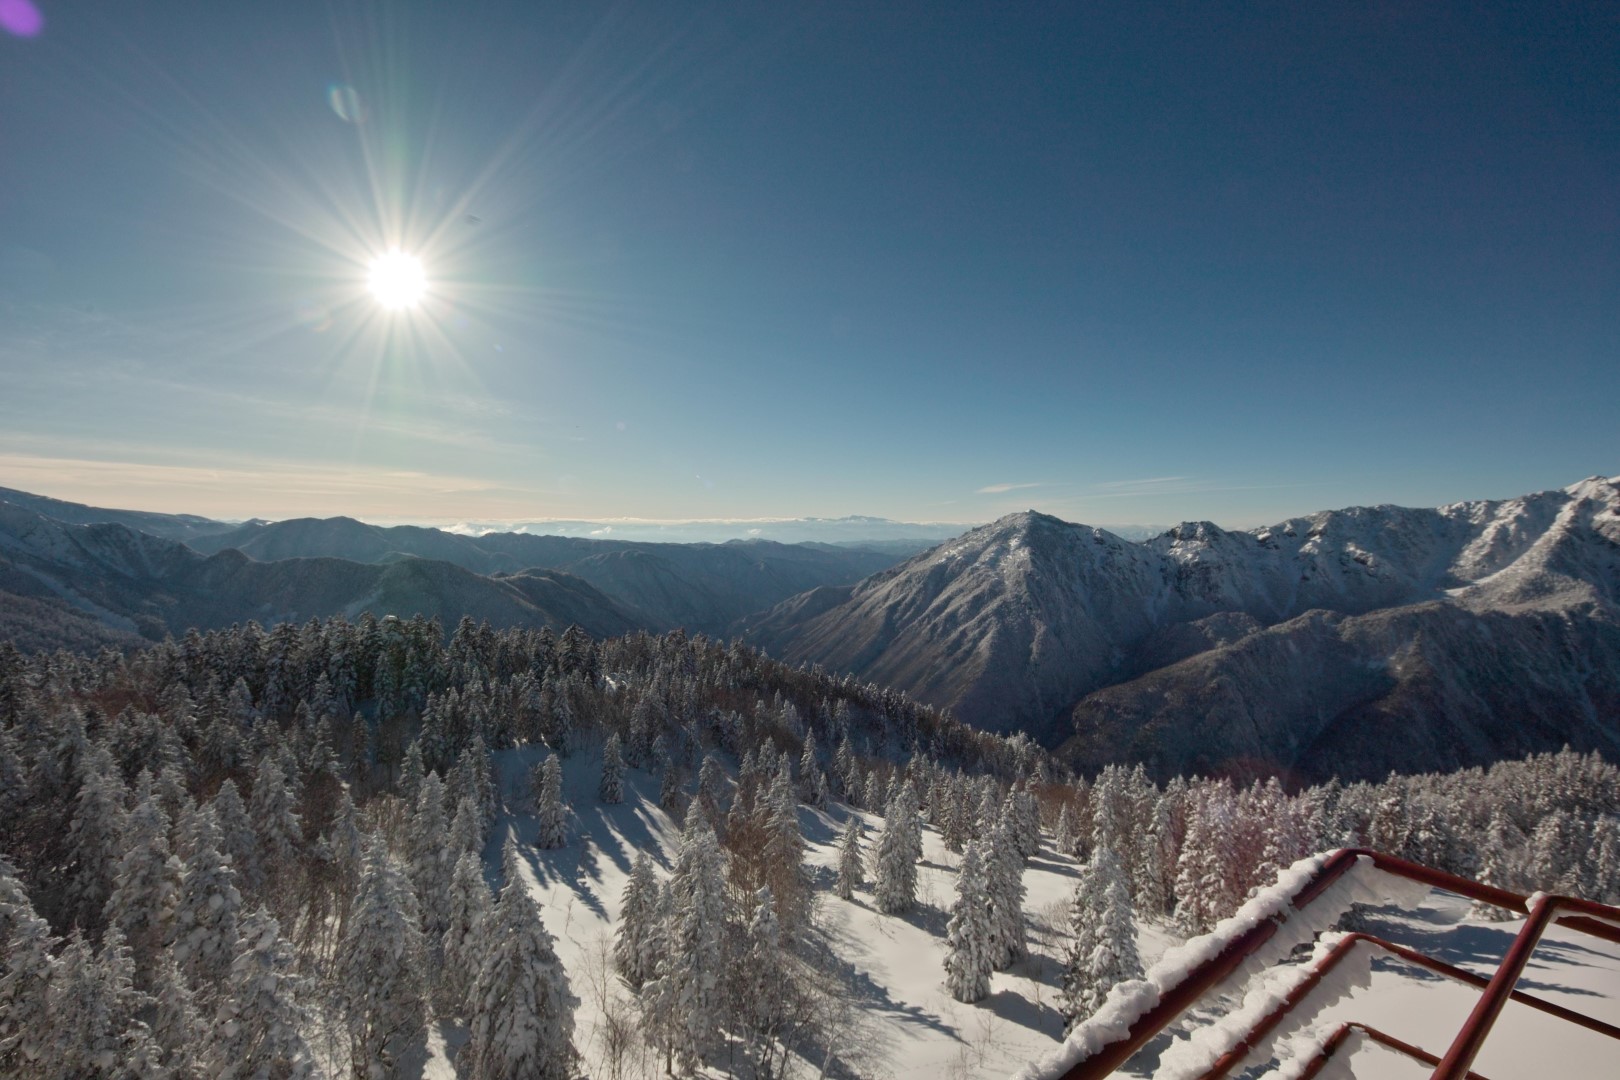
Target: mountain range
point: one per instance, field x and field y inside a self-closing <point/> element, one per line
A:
<point x="1351" y="641"/>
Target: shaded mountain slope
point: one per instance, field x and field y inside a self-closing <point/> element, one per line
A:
<point x="132" y="582"/>
<point x="1290" y="630"/>
<point x="704" y="587"/>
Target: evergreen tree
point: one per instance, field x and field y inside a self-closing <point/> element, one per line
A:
<point x="26" y="970"/>
<point x="380" y="965"/>
<point x="1063" y="835"/>
<point x="611" y="789"/>
<point x="1004" y="881"/>
<point x="812" y="781"/>
<point x="683" y="1001"/>
<point x="237" y="838"/>
<point x="261" y="1021"/>
<point x="93" y="1010"/>
<point x="970" y="936"/>
<point x="895" y="888"/>
<point x="427" y="850"/>
<point x="411" y="772"/>
<point x="850" y="871"/>
<point x="146" y="884"/>
<point x="177" y="1028"/>
<point x="522" y="1012"/>
<point x="634" y="952"/>
<point x="94" y="839"/>
<point x="1102" y="952"/>
<point x="205" y="921"/>
<point x="548" y="804"/>
<point x="761" y="982"/>
<point x="464" y="937"/>
<point x="274" y="812"/>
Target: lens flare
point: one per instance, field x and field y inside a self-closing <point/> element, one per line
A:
<point x="21" y="17"/>
<point x="397" y="280"/>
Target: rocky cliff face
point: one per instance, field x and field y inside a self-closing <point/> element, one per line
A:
<point x="1385" y="636"/>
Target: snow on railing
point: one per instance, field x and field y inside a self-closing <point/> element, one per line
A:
<point x="1264" y="930"/>
<point x="1306" y="900"/>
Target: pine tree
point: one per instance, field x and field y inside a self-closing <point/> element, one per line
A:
<point x="205" y="921"/>
<point x="273" y="809"/>
<point x="427" y="849"/>
<point x="634" y="952"/>
<point x="850" y="871"/>
<point x="26" y="970"/>
<point x="761" y="983"/>
<point x="812" y="781"/>
<point x="464" y="937"/>
<point x="1063" y="835"/>
<point x="411" y="772"/>
<point x="146" y="884"/>
<point x="177" y="1027"/>
<point x="237" y="838"/>
<point x="1495" y="855"/>
<point x="522" y="1012"/>
<point x="969" y="937"/>
<point x="261" y="1021"/>
<point x="549" y="806"/>
<point x="1102" y="952"/>
<point x="94" y="839"/>
<point x="380" y="964"/>
<point x="899" y="849"/>
<point x="92" y="1014"/>
<point x="683" y="1001"/>
<point x="611" y="789"/>
<point x="1004" y="881"/>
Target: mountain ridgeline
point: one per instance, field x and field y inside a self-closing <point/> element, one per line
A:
<point x="1352" y="642"/>
<point x="1348" y="642"/>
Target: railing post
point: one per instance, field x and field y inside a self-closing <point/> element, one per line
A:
<point x="1466" y="1046"/>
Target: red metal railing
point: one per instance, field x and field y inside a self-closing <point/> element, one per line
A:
<point x="1597" y="920"/>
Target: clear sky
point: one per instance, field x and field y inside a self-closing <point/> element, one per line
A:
<point x="932" y="261"/>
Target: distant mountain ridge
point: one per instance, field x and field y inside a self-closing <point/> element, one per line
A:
<point x="703" y="587"/>
<point x="132" y="582"/>
<point x="1159" y="650"/>
<point x="83" y="576"/>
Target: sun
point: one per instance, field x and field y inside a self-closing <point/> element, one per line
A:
<point x="397" y="280"/>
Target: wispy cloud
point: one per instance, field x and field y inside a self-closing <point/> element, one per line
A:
<point x="1147" y="483"/>
<point x="1002" y="489"/>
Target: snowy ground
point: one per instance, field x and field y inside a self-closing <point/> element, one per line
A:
<point x="909" y="1028"/>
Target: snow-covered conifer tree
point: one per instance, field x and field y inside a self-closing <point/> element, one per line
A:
<point x="634" y="953"/>
<point x="94" y="838"/>
<point x="1102" y="952"/>
<point x="851" y="875"/>
<point x="522" y="1016"/>
<point x="611" y="789"/>
<point x="92" y="1014"/>
<point x="146" y="884"/>
<point x="205" y="930"/>
<point x="549" y="806"/>
<point x="1004" y="881"/>
<point x="26" y="969"/>
<point x="177" y="1028"/>
<point x="895" y="884"/>
<point x="380" y="961"/>
<point x="273" y="809"/>
<point x="465" y="937"/>
<point x="237" y="837"/>
<point x="261" y="1021"/>
<point x="430" y="859"/>
<point x="1063" y="835"/>
<point x="684" y="1000"/>
<point x="812" y="781"/>
<point x="411" y="773"/>
<point x="970" y="937"/>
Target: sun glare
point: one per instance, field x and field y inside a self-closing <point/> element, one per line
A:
<point x="397" y="280"/>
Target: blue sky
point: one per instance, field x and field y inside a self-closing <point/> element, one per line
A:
<point x="1118" y="262"/>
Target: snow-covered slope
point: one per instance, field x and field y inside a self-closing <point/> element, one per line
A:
<point x="1013" y="623"/>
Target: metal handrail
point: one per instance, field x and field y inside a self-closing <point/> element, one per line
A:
<point x="1597" y="920"/>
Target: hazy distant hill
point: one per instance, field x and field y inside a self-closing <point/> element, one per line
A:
<point x="703" y="587"/>
<point x="133" y="582"/>
<point x="1389" y="636"/>
<point x="169" y="526"/>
